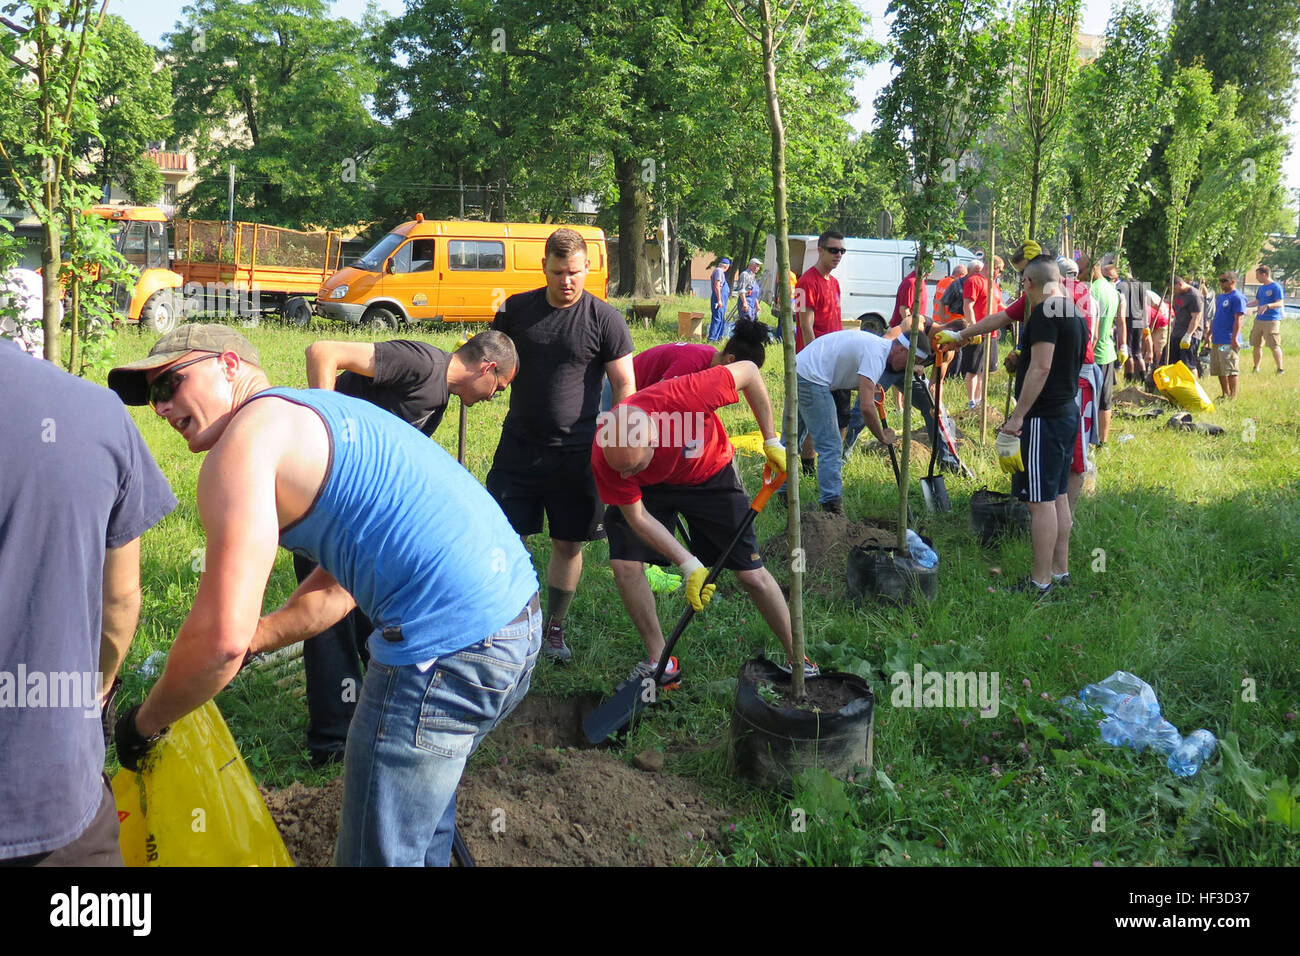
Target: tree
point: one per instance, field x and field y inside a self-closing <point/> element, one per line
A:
<point x="1046" y="62"/>
<point x="1193" y="105"/>
<point x="134" y="98"/>
<point x="276" y="88"/>
<point x="950" y="55"/>
<point x="1118" y="111"/>
<point x="56" y="47"/>
<point x="1251" y="45"/>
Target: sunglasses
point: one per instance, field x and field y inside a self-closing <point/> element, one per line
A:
<point x="1225" y="282"/>
<point x="835" y="251"/>
<point x="164" y="387"/>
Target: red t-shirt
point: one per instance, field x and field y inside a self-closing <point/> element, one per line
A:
<point x="822" y="295"/>
<point x="669" y="361"/>
<point x="1078" y="291"/>
<point x="976" y="291"/>
<point x="693" y="446"/>
<point x="904" y="300"/>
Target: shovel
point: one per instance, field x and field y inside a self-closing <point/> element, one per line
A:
<point x="933" y="488"/>
<point x="635" y="696"/>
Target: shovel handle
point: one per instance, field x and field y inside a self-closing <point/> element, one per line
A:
<point x="772" y="480"/>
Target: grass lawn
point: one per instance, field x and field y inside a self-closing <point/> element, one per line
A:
<point x="1184" y="570"/>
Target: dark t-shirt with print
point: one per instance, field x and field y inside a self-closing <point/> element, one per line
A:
<point x="410" y="382"/>
<point x="555" y="395"/>
<point x="76" y="478"/>
<point x="1186" y="305"/>
<point x="1055" y="320"/>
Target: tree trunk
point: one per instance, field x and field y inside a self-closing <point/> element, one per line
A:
<point x="51" y="253"/>
<point x="633" y="269"/>
<point x="1035" y="172"/>
<point x="791" y="416"/>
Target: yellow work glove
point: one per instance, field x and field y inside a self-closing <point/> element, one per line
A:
<point x="694" y="574"/>
<point x="1186" y="341"/>
<point x="462" y="341"/>
<point x="775" y="453"/>
<point x="1009" y="459"/>
<point x="1123" y="354"/>
<point x="948" y="339"/>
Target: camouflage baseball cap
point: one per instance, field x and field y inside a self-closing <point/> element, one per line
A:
<point x="129" y="380"/>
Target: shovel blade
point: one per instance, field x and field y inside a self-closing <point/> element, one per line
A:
<point x="617" y="712"/>
<point x="936" y="494"/>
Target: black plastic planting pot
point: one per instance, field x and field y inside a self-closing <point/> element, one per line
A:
<point x="887" y="574"/>
<point x="771" y="743"/>
<point x="993" y="514"/>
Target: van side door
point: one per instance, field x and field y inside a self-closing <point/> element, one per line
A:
<point x="476" y="283"/>
<point x="410" y="278"/>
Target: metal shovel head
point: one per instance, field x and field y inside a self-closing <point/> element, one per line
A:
<point x="935" y="493"/>
<point x="617" y="712"/>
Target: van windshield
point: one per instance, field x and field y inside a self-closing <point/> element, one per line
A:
<point x="373" y="260"/>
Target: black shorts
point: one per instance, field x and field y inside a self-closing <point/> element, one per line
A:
<point x="713" y="510"/>
<point x="1047" y="449"/>
<point x="529" y="480"/>
<point x="1107" y="373"/>
<point x="970" y="360"/>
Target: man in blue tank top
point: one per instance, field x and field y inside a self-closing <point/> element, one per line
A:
<point x="398" y="529"/>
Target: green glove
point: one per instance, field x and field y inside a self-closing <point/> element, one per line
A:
<point x="1008" y="447"/>
<point x="696" y="591"/>
<point x="775" y="453"/>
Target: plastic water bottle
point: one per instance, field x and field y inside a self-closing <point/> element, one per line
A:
<point x="922" y="553"/>
<point x="1125" y="696"/>
<point x="152" y="664"/>
<point x="1192" y="752"/>
<point x="1090" y="478"/>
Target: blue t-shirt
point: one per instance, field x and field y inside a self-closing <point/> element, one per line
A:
<point x="76" y="478"/>
<point x="1270" y="294"/>
<point x="420" y="544"/>
<point x="1227" y="306"/>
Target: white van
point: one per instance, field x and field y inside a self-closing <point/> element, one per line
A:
<point x="869" y="273"/>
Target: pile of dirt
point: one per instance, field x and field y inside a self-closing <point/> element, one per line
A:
<point x="542" y="803"/>
<point x="826" y="539"/>
<point x="1135" y="396"/>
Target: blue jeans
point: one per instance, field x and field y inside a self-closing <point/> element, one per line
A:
<point x="817" y="417"/>
<point x="718" y="323"/>
<point x="890" y="379"/>
<point x="410" y="737"/>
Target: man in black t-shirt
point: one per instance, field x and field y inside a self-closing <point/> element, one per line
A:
<point x="1046" y="419"/>
<point x="567" y="340"/>
<point x="414" y="381"/>
<point x="1189" y="309"/>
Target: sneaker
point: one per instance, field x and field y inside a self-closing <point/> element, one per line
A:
<point x="320" y="759"/>
<point x="1064" y="581"/>
<point x="1027" y="586"/>
<point x="835" y="506"/>
<point x="809" y="668"/>
<point x="553" y="647"/>
<point x="671" y="678"/>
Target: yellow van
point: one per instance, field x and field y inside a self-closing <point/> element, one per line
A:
<point x="436" y="271"/>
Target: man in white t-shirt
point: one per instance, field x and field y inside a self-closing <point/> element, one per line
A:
<point x="842" y="360"/>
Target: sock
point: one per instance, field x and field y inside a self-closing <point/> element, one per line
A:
<point x="557" y="604"/>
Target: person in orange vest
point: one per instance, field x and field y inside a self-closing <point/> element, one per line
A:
<point x="942" y="315"/>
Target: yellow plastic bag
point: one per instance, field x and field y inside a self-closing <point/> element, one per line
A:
<point x="195" y="803"/>
<point x="1178" y="382"/>
<point x="751" y="443"/>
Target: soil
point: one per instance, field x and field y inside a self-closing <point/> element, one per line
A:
<point x="541" y="801"/>
<point x="827" y="539"/>
<point x="826" y="696"/>
<point x="1135" y="396"/>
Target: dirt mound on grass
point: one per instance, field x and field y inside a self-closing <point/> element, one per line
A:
<point x="826" y="539"/>
<point x="1135" y="396"/>
<point x="539" y="807"/>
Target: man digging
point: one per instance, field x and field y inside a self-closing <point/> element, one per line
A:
<point x="661" y="453"/>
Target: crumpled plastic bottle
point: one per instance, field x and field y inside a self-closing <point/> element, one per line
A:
<point x="922" y="553"/>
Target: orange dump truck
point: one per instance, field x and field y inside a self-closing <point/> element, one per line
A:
<point x="190" y="266"/>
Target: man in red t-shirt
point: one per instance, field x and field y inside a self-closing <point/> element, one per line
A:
<point x="904" y="300"/>
<point x="975" y="306"/>
<point x="817" y="307"/>
<point x="661" y="453"/>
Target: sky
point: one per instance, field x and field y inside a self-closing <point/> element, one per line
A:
<point x="152" y="18"/>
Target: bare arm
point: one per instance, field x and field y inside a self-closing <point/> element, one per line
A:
<point x="1236" y="329"/>
<point x="121" y="609"/>
<point x="622" y="380"/>
<point x="237" y="505"/>
<point x="992" y="323"/>
<point x="806" y="325"/>
<point x="649" y="529"/>
<point x="318" y="603"/>
<point x="968" y="312"/>
<point x="749" y="380"/>
<point x="1121" y="322"/>
<point x="1040" y="363"/>
<point x="326" y="359"/>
